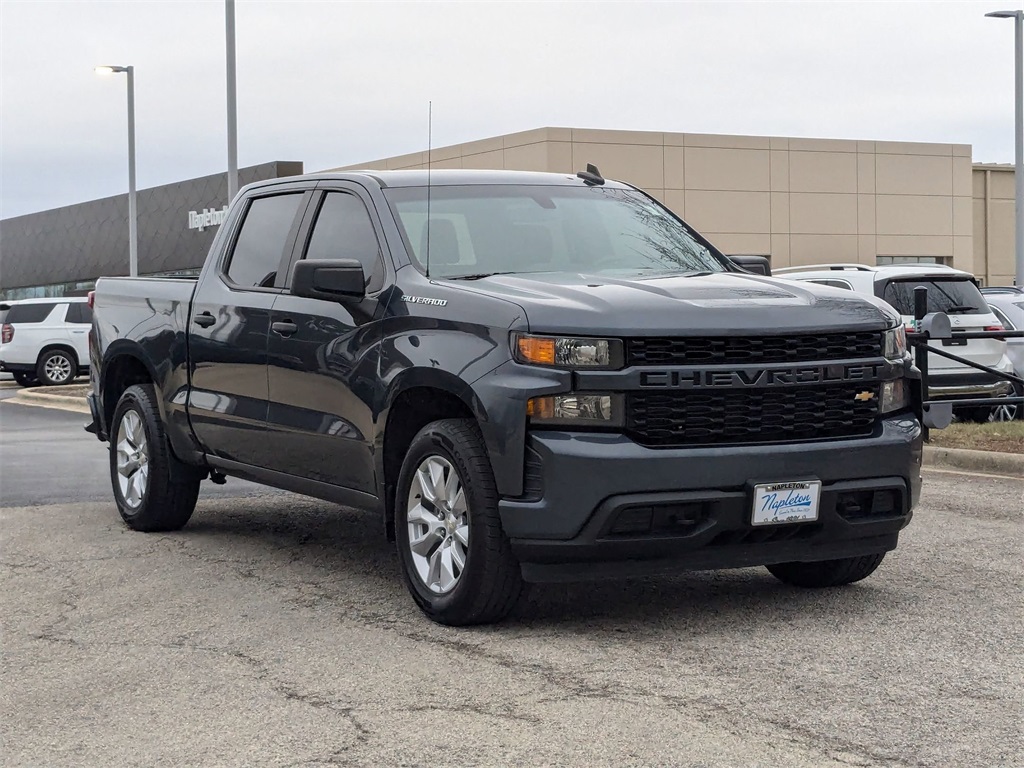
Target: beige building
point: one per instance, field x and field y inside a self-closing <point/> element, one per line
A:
<point x="798" y="201"/>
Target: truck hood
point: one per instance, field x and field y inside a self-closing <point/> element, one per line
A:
<point x="718" y="304"/>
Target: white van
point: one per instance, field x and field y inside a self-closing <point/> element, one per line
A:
<point x="45" y="341"/>
<point x="949" y="290"/>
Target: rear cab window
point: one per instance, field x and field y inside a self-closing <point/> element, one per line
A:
<point x="266" y="231"/>
<point x="948" y="295"/>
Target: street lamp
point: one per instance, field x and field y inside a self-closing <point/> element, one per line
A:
<point x="229" y="29"/>
<point x="1018" y="171"/>
<point x="133" y="230"/>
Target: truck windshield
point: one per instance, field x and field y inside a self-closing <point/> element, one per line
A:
<point x="478" y="230"/>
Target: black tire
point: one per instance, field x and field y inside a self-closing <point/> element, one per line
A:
<point x="172" y="487"/>
<point x="491" y="581"/>
<point x="25" y="379"/>
<point x="974" y="415"/>
<point x="827" y="573"/>
<point x="61" y="358"/>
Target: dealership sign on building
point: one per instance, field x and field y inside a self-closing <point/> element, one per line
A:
<point x="210" y="217"/>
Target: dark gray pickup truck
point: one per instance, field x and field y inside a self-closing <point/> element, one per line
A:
<point x="529" y="377"/>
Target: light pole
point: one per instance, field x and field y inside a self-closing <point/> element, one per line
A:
<point x="133" y="228"/>
<point x="229" y="28"/>
<point x="1018" y="171"/>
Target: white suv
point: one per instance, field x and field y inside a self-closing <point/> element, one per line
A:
<point x="45" y="340"/>
<point x="949" y="290"/>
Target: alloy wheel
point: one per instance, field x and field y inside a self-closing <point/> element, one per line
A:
<point x="58" y="368"/>
<point x="438" y="524"/>
<point x="132" y="459"/>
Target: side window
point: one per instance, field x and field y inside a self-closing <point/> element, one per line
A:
<point x="30" y="313"/>
<point x="262" y="240"/>
<point x="79" y="312"/>
<point x="343" y="230"/>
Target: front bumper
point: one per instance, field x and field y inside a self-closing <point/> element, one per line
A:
<point x="599" y="505"/>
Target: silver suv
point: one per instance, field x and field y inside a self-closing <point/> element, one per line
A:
<point x="952" y="291"/>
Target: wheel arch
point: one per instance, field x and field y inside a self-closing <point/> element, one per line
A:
<point x="414" y="400"/>
<point x="123" y="366"/>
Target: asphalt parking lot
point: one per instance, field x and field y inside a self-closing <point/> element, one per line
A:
<point x="274" y="631"/>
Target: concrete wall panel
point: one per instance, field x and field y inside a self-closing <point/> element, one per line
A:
<point x="914" y="175"/>
<point x="822" y="214"/>
<point x="914" y="215"/>
<point x="822" y="171"/>
<point x="741" y="212"/>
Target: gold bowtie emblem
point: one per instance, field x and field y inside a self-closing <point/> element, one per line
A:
<point x="864" y="396"/>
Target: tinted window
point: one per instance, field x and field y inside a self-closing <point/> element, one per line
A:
<point x="952" y="296"/>
<point x="343" y="230"/>
<point x="79" y="312"/>
<point x="508" y="228"/>
<point x="262" y="241"/>
<point x="29" y="313"/>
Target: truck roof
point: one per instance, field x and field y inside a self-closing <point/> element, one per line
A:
<point x="447" y="177"/>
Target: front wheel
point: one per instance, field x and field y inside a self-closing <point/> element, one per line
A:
<point x="456" y="560"/>
<point x="827" y="573"/>
<point x="153" y="490"/>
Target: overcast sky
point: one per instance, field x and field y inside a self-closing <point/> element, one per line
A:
<point x="335" y="83"/>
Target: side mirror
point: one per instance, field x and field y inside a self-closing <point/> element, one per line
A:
<point x="330" y="279"/>
<point x="758" y="265"/>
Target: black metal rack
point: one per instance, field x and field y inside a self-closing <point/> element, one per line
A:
<point x="937" y="413"/>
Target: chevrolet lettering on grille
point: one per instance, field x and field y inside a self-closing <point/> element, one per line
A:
<point x="785" y="376"/>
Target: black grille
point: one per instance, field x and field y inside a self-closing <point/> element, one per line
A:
<point x="753" y="349"/>
<point x="741" y="416"/>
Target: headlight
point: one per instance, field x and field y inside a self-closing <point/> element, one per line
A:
<point x="575" y="410"/>
<point x="894" y="343"/>
<point x="895" y="396"/>
<point x="567" y="352"/>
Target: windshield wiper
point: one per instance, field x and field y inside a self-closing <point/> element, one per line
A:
<point x="479" y="276"/>
<point x="961" y="308"/>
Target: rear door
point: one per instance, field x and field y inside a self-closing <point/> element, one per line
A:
<point x="960" y="298"/>
<point x="323" y="355"/>
<point x="230" y="321"/>
<point x="79" y="320"/>
<point x="36" y="325"/>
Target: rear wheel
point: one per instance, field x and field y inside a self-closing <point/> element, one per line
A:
<point x="827" y="573"/>
<point x="456" y="560"/>
<point x="153" y="490"/>
<point x="25" y="379"/>
<point x="58" y="366"/>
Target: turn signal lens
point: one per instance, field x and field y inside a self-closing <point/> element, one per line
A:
<point x="539" y="351"/>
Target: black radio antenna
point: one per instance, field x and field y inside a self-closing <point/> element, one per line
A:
<point x="430" y="125"/>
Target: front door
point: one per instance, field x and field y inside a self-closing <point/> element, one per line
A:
<point x="229" y="326"/>
<point x="323" y="355"/>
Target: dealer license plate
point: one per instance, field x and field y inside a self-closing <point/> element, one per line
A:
<point x="776" y="503"/>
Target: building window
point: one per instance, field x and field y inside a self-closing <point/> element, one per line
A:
<point x="883" y="261"/>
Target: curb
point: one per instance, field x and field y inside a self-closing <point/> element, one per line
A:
<point x="989" y="462"/>
<point x="44" y="399"/>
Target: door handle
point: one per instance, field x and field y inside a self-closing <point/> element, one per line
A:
<point x="204" y="320"/>
<point x="285" y="327"/>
